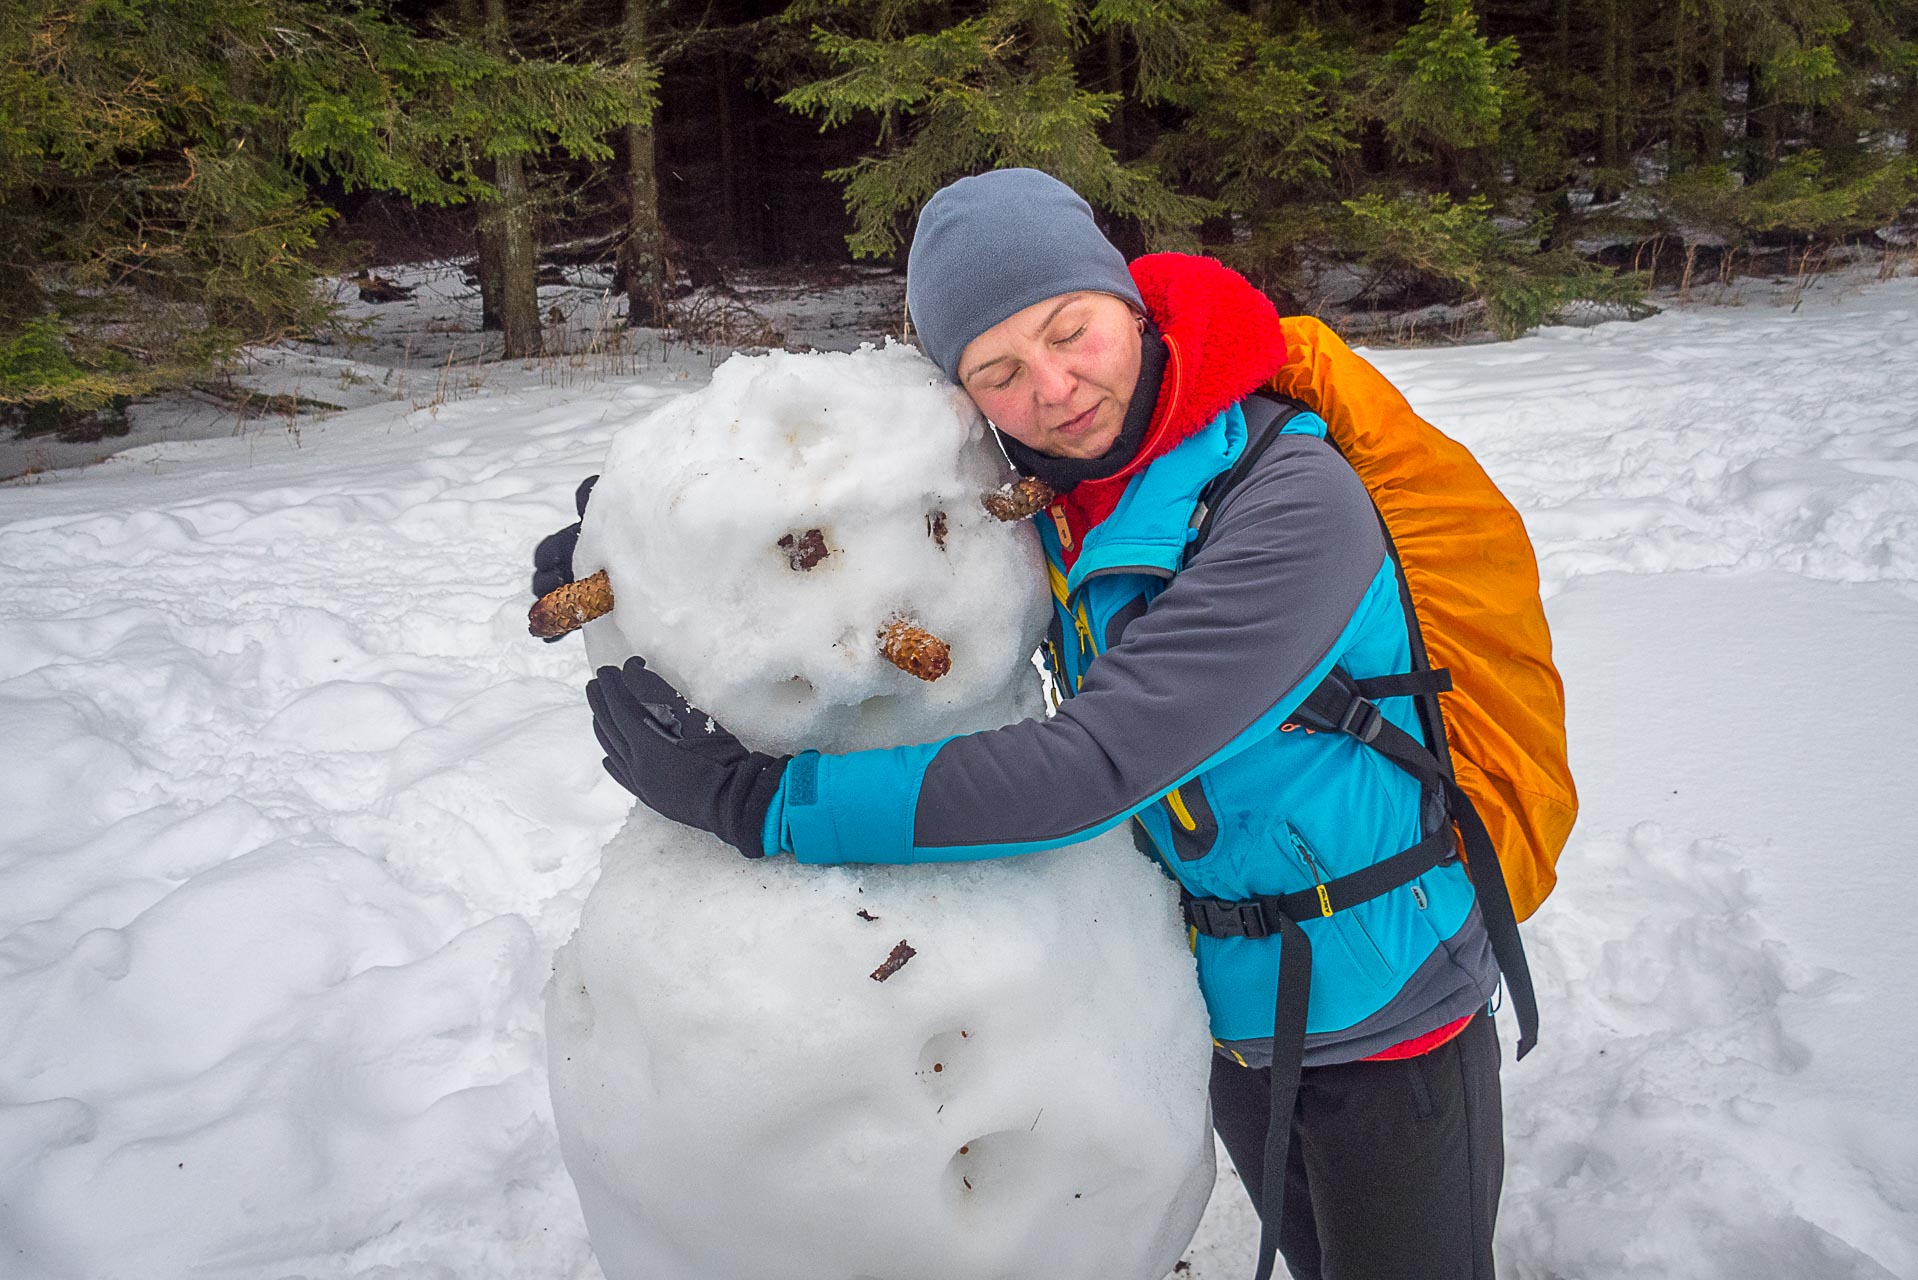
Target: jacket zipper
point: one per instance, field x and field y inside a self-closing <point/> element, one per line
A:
<point x="1350" y="921"/>
<point x="1304" y="851"/>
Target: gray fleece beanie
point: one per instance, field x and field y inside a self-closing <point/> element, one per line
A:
<point x="992" y="245"/>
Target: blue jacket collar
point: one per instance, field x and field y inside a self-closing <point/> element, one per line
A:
<point x="1150" y="527"/>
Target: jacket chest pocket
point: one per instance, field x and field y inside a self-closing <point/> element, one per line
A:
<point x="1195" y="826"/>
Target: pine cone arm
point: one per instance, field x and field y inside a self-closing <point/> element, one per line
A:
<point x="571" y="607"/>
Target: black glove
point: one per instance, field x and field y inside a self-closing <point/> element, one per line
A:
<point x="678" y="761"/>
<point x="553" y="557"/>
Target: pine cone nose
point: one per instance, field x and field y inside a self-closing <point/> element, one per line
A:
<point x="914" y="650"/>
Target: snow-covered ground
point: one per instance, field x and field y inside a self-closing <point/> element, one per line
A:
<point x="293" y="815"/>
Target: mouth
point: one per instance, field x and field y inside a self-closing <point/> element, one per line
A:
<point x="1079" y="425"/>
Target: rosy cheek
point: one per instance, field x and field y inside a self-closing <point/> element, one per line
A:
<point x="999" y="407"/>
<point x="992" y="403"/>
<point x="1095" y="350"/>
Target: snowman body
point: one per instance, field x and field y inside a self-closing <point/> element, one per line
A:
<point x="764" y="1071"/>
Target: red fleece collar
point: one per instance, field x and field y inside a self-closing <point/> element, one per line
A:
<point x="1224" y="342"/>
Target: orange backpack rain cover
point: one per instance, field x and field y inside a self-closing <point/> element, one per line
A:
<point x="1474" y="585"/>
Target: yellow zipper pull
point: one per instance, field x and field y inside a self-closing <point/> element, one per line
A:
<point x="1176" y="802"/>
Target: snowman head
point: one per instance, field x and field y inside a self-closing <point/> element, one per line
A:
<point x="762" y="533"/>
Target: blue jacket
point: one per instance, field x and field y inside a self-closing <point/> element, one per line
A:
<point x="1178" y="681"/>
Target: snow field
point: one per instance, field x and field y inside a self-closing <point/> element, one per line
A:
<point x="1726" y="1093"/>
<point x="295" y="816"/>
<point x="1722" y="1087"/>
<point x="1732" y="438"/>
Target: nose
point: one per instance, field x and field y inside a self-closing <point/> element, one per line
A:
<point x="1053" y="379"/>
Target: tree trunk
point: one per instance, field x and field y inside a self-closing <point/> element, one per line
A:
<point x="492" y="276"/>
<point x="1457" y="171"/>
<point x="1608" y="87"/>
<point x="1678" y="145"/>
<point x="728" y="238"/>
<point x="1911" y="114"/>
<point x="1761" y="126"/>
<point x="485" y="231"/>
<point x="1128" y="234"/>
<point x="642" y="258"/>
<point x="1835" y="130"/>
<point x="518" y="260"/>
<point x="513" y="228"/>
<point x="1627" y="58"/>
<point x="1711" y="140"/>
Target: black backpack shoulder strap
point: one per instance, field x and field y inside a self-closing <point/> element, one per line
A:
<point x="1266" y="414"/>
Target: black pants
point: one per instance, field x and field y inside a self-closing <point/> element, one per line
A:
<point x="1395" y="1167"/>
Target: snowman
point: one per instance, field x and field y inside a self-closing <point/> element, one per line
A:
<point x="988" y="1070"/>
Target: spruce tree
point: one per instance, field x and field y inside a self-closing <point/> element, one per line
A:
<point x="997" y="89"/>
<point x="1446" y="90"/>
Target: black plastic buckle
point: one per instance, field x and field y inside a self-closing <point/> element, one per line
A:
<point x="1219" y="919"/>
<point x="1361" y="719"/>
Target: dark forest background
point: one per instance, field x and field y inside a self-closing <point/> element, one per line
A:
<point x="175" y="175"/>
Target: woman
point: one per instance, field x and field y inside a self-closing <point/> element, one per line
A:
<point x="1187" y="664"/>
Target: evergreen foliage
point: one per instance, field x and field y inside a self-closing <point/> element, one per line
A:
<point x="156" y="158"/>
<point x="1798" y="198"/>
<point x="1446" y="87"/>
<point x="995" y="90"/>
<point x="1445" y="155"/>
<point x="1410" y="239"/>
<point x="1269" y="122"/>
<point x="166" y="165"/>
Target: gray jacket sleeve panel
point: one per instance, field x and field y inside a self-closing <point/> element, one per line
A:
<point x="1293" y="550"/>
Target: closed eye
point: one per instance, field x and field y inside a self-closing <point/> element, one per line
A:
<point x="1074" y="336"/>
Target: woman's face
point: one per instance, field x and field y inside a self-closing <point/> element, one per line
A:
<point x="1057" y="376"/>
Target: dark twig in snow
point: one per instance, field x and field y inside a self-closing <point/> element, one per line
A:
<point x="894" y="962"/>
